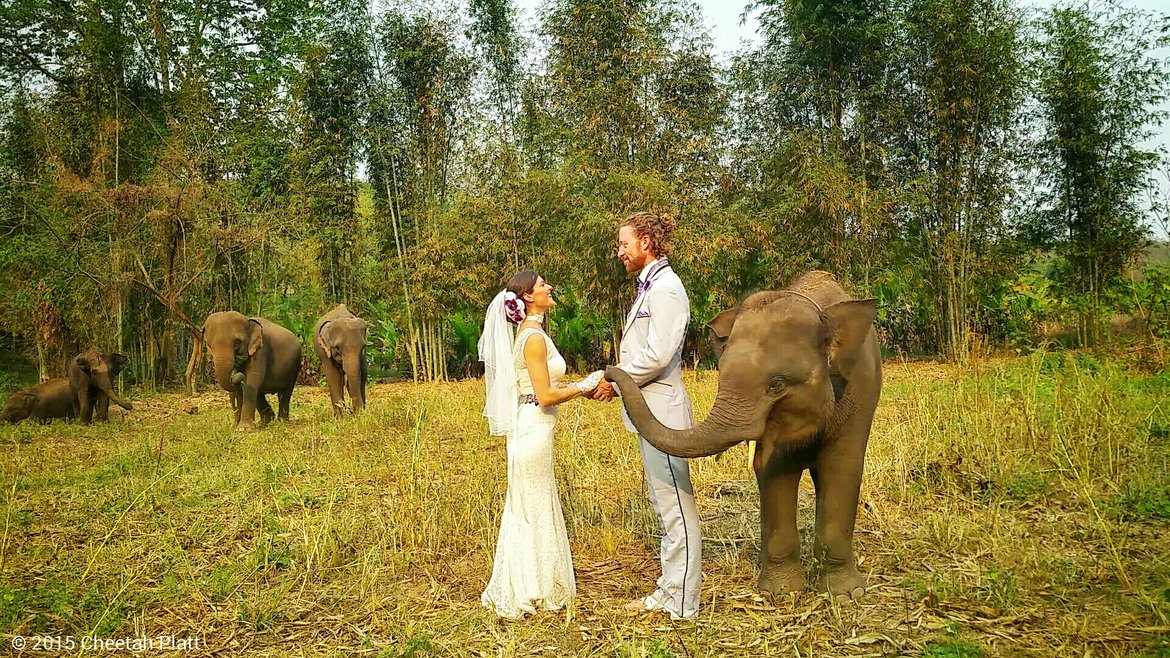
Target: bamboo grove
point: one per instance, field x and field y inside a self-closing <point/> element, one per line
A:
<point x="975" y="165"/>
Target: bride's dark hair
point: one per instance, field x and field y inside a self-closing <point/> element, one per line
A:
<point x="522" y="283"/>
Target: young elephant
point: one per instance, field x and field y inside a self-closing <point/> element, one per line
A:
<point x="340" y="342"/>
<point x="91" y="374"/>
<point x="800" y="373"/>
<point x="252" y="357"/>
<point x="51" y="399"/>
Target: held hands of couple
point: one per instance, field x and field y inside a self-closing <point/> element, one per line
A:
<point x="604" y="391"/>
<point x="588" y="385"/>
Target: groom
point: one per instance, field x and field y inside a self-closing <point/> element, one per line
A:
<point x="651" y="352"/>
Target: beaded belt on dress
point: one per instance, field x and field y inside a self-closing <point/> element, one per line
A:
<point x="529" y="398"/>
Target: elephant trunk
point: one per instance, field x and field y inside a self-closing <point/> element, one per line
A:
<point x="103" y="382"/>
<point x="351" y="363"/>
<point x="225" y="371"/>
<point x="731" y="421"/>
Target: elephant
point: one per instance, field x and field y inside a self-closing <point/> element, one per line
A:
<point x="252" y="357"/>
<point x="800" y="374"/>
<point x="91" y="374"/>
<point x="50" y="399"/>
<point x="340" y="342"/>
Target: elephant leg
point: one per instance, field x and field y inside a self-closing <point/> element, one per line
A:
<point x="336" y="381"/>
<point x="102" y="411"/>
<point x="246" y="415"/>
<point x="265" y="409"/>
<point x="837" y="478"/>
<point x="85" y="406"/>
<point x="284" y="398"/>
<point x="780" y="570"/>
<point x="365" y="379"/>
<point x="237" y="404"/>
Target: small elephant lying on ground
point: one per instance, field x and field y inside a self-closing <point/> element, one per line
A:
<point x="799" y="373"/>
<point x="340" y="342"/>
<point x="51" y="399"/>
<point x="91" y="374"/>
<point x="252" y="357"/>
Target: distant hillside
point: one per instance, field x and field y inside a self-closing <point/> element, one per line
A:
<point x="1159" y="252"/>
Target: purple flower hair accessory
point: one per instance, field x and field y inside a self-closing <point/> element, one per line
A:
<point x="513" y="308"/>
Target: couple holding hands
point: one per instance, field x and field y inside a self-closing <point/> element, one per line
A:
<point x="533" y="567"/>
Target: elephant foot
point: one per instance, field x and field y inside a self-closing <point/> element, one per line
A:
<point x="266" y="418"/>
<point x="245" y="426"/>
<point x="778" y="580"/>
<point x="844" y="583"/>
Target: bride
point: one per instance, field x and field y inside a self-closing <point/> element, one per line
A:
<point x="533" y="568"/>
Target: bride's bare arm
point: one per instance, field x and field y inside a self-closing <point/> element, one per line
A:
<point x="536" y="358"/>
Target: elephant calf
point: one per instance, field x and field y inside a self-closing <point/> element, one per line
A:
<point x="799" y="373"/>
<point x="51" y="399"/>
<point x="253" y="357"/>
<point x="340" y="342"/>
<point x="91" y="374"/>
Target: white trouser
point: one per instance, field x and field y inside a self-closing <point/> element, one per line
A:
<point x="668" y="482"/>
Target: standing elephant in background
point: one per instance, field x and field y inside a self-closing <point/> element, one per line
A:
<point x="252" y="357"/>
<point x="800" y="373"/>
<point x="90" y="376"/>
<point x="340" y="341"/>
<point x="51" y="399"/>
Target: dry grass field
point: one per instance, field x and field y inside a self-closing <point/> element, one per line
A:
<point x="1019" y="508"/>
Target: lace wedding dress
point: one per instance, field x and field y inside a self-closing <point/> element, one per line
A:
<point x="533" y="568"/>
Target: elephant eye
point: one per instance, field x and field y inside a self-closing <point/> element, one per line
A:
<point x="777" y="384"/>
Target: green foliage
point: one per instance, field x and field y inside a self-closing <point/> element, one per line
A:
<point x="1097" y="78"/>
<point x="904" y="311"/>
<point x="1151" y="295"/>
<point x="416" y="646"/>
<point x="582" y="334"/>
<point x="659" y="648"/>
<point x="1144" y="500"/>
<point x="464" y="345"/>
<point x="407" y="159"/>
<point x="952" y="648"/>
<point x="383" y="351"/>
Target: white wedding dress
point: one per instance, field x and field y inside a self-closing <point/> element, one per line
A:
<point x="533" y="567"/>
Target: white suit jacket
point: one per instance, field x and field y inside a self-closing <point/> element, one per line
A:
<point x="651" y="349"/>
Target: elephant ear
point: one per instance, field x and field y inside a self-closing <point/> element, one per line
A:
<point x="849" y="323"/>
<point x="365" y="330"/>
<point x="29" y="399"/>
<point x="720" y="327"/>
<point x="83" y="364"/>
<point x="117" y="361"/>
<point x="255" y="336"/>
<point x="322" y="343"/>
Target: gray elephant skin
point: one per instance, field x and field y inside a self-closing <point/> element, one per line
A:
<point x="252" y="357"/>
<point x="340" y="342"/>
<point x="800" y="373"/>
<point x="51" y="399"/>
<point x="91" y="374"/>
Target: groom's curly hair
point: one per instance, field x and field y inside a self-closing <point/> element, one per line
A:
<point x="659" y="227"/>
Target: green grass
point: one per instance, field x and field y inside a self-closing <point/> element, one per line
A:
<point x="1022" y="502"/>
